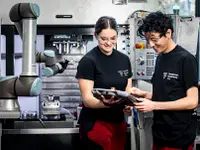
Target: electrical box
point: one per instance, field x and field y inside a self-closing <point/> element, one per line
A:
<point x="143" y="57"/>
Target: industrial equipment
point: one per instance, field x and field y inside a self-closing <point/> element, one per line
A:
<point x="51" y="107"/>
<point x="68" y="43"/>
<point x="143" y="57"/>
<point x="28" y="83"/>
<point x="70" y="47"/>
<point x="25" y="15"/>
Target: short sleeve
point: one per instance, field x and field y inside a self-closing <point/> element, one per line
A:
<point x="157" y="62"/>
<point x="86" y="69"/>
<point x="190" y="71"/>
<point x="129" y="69"/>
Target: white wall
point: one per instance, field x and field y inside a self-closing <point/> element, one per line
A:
<point x="83" y="11"/>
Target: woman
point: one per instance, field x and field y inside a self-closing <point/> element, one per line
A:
<point x="103" y="126"/>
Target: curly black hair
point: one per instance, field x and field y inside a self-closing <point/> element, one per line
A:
<point x="156" y="22"/>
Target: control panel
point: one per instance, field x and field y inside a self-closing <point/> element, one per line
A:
<point x="123" y="40"/>
<point x="143" y="57"/>
<point x="144" y="63"/>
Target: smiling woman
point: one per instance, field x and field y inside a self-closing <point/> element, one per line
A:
<point x="103" y="126"/>
<point x="106" y="34"/>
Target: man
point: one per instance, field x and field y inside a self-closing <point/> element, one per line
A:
<point x="175" y="93"/>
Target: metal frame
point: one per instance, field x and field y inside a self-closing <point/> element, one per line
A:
<point x="9" y="31"/>
<point x="197" y="8"/>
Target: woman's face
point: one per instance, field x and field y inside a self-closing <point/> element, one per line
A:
<point x="107" y="40"/>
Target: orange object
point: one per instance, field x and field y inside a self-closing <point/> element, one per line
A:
<point x="143" y="15"/>
<point x="139" y="45"/>
<point x="113" y="88"/>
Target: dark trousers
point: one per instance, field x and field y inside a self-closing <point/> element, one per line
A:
<point x="156" y="147"/>
<point x="105" y="136"/>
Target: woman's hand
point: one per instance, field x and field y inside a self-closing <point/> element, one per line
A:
<point x="128" y="110"/>
<point x="111" y="101"/>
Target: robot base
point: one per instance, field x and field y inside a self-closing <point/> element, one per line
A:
<point x="9" y="108"/>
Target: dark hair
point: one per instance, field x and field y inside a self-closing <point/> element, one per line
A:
<point x="105" y="22"/>
<point x="156" y="22"/>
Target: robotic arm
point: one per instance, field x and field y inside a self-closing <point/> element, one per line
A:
<point x="51" y="66"/>
<point x="25" y="15"/>
<point x="28" y="83"/>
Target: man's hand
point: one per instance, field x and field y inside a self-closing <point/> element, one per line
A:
<point x="128" y="110"/>
<point x="144" y="105"/>
<point x="136" y="92"/>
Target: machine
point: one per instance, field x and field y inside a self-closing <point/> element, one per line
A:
<point x="51" y="107"/>
<point x="64" y="44"/>
<point x="143" y="57"/>
<point x="24" y="16"/>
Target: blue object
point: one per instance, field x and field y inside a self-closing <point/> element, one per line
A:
<point x="36" y="87"/>
<point x="49" y="53"/>
<point x="48" y="72"/>
<point x="35" y="9"/>
<point x="188" y="3"/>
<point x="136" y="117"/>
<point x="6" y="78"/>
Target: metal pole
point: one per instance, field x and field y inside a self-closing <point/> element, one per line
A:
<point x="0" y="133"/>
<point x="176" y="21"/>
<point x="40" y="98"/>
<point x="29" y="47"/>
<point x="0" y="76"/>
<point x="0" y="47"/>
<point x="197" y="8"/>
<point x="133" y="134"/>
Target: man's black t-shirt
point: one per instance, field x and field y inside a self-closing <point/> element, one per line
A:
<point x="174" y="74"/>
<point x="106" y="72"/>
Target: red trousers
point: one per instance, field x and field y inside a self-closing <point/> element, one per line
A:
<point x="156" y="147"/>
<point x="109" y="136"/>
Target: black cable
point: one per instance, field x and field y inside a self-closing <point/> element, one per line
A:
<point x="42" y="123"/>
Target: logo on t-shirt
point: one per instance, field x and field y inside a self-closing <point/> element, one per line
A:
<point x="169" y="75"/>
<point x="195" y="112"/>
<point x="123" y="73"/>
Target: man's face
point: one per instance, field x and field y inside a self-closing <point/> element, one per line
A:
<point x="158" y="42"/>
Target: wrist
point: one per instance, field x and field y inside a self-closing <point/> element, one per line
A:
<point x="144" y="94"/>
<point x="155" y="107"/>
<point x="103" y="105"/>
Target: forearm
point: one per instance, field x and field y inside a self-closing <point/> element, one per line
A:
<point x="89" y="100"/>
<point x="139" y="93"/>
<point x="147" y="95"/>
<point x="180" y="104"/>
<point x="92" y="102"/>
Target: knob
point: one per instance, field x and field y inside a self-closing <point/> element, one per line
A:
<point x="142" y="73"/>
<point x="140" y="60"/>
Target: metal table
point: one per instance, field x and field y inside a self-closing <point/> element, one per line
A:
<point x="45" y="139"/>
